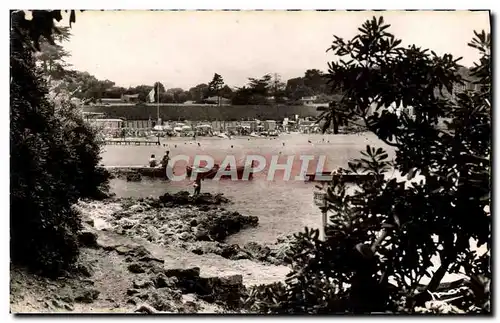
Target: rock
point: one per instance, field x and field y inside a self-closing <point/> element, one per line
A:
<point x="142" y="284"/>
<point x="184" y="236"/>
<point x="257" y="251"/>
<point x="123" y="250"/>
<point x="231" y="280"/>
<point x="145" y="308"/>
<point x="189" y="297"/>
<point x="85" y="269"/>
<point x="152" y="259"/>
<point x="87" y="239"/>
<point x="189" y="273"/>
<point x="161" y="303"/>
<point x="134" y="177"/>
<point x="229" y="251"/>
<point x="57" y="303"/>
<point x="137" y="208"/>
<point x="204" y="208"/>
<point x="126" y="224"/>
<point x="143" y="296"/>
<point x="228" y="290"/>
<point x="140" y="251"/>
<point x="68" y="307"/>
<point x="154" y="268"/>
<point x="132" y="291"/>
<point x="201" y="234"/>
<point x="170" y="293"/>
<point x="197" y="251"/>
<point x="136" y="268"/>
<point x="89" y="221"/>
<point x="87" y="296"/>
<point x="87" y="281"/>
<point x="190" y="307"/>
<point x="241" y="255"/>
<point x="122" y="214"/>
<point x="220" y="225"/>
<point x="133" y="301"/>
<point x="161" y="281"/>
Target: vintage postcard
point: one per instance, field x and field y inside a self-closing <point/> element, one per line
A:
<point x="250" y="162"/>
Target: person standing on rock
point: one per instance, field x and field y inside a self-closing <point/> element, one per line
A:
<point x="165" y="159"/>
<point x="197" y="185"/>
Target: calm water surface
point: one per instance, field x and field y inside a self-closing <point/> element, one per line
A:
<point x="283" y="207"/>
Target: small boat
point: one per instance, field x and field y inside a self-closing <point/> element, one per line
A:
<point x="240" y="170"/>
<point x="147" y="171"/>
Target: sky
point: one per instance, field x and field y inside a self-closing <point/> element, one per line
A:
<point x="185" y="48"/>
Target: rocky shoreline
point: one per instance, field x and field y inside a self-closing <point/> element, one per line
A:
<point x="142" y="255"/>
<point x="198" y="224"/>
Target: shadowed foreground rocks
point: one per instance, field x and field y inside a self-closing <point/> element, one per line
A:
<point x="163" y="288"/>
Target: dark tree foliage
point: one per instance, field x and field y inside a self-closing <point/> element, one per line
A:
<point x="381" y="237"/>
<point x="215" y="86"/>
<point x="199" y="92"/>
<point x="54" y="155"/>
<point x="256" y="92"/>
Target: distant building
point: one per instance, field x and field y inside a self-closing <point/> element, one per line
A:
<point x="108" y="101"/>
<point x="125" y="98"/>
<point x="309" y="100"/>
<point x="130" y="98"/>
<point x="269" y="125"/>
<point x="317" y="100"/>
<point x="215" y="100"/>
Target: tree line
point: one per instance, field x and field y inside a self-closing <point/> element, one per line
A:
<point x="264" y="90"/>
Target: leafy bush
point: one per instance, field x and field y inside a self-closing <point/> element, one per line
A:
<point x="53" y="163"/>
<point x="381" y="237"/>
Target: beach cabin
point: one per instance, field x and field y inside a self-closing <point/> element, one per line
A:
<point x="308" y="100"/>
<point x="109" y="127"/>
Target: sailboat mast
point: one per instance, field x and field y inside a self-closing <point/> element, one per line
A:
<point x="158" y="103"/>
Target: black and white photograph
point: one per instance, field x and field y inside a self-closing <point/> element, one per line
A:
<point x="250" y="162"/>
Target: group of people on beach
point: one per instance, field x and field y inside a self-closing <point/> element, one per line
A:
<point x="163" y="164"/>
